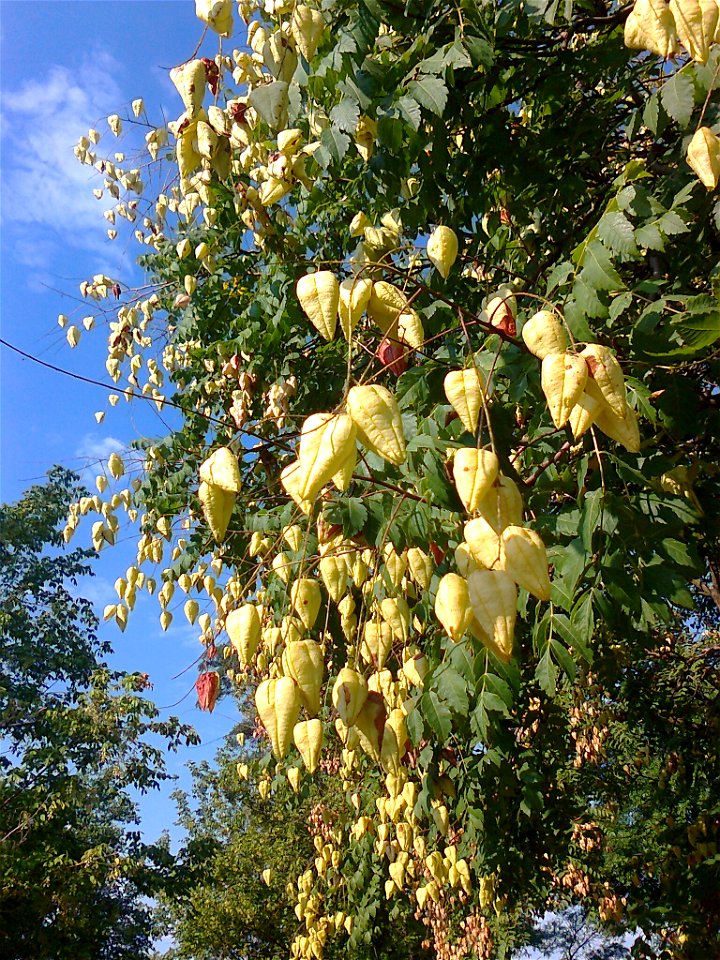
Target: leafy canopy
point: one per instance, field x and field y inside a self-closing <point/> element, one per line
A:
<point x="435" y="302"/>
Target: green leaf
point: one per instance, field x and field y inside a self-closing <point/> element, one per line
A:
<point x="678" y="98"/>
<point x="589" y="520"/>
<point x="345" y="115"/>
<point x="437" y="714"/>
<point x="649" y="237"/>
<point x="430" y="92"/>
<point x="582" y="622"/>
<point x="617" y="233"/>
<point x="409" y="110"/>
<point x="335" y="144"/>
<point x="453" y="689"/>
<point x="546" y="673"/>
<point x="563" y="658"/>
<point x="350" y="512"/>
<point x="598" y="270"/>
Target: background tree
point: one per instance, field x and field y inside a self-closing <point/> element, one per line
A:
<point x="75" y="876"/>
<point x="368" y="199"/>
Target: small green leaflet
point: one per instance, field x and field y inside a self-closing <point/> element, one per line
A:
<point x="437" y="714"/>
<point x="334" y="146"/>
<point x="598" y="270"/>
<point x="453" y="689"/>
<point x="350" y="512"/>
<point x="429" y="92"/>
<point x="616" y="232"/>
<point x="678" y="98"/>
<point x="345" y="115"/>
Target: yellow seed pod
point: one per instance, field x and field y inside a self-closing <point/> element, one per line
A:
<point x="308" y="737"/>
<point x="395" y="564"/>
<point x="396" y="613"/>
<point x="243" y="627"/>
<point x="464" y="391"/>
<point x="543" y="334"/>
<point x="474" y="472"/>
<point x="303" y="661"/>
<point x="359" y="569"/>
<point x="525" y="560"/>
<point x="563" y="378"/>
<point x="587" y="409"/>
<point x="291" y="629"/>
<point x="397" y="878"/>
<point x="465" y="561"/>
<point x="189" y="80"/>
<point x="483" y="543"/>
<point x="281" y="60"/>
<point x="415" y="669"/>
<point x="502" y="504"/>
<point x="293" y="536"/>
<point x="344" y="475"/>
<point x="287" y="707"/>
<point x="217" y="14"/>
<point x="191" y="610"/>
<point x="452" y="605"/>
<point x="354" y="298"/>
<point x="326" y="442"/>
<point x="436" y="866"/>
<point x="349" y="694"/>
<point x="221" y="470"/>
<point x="624" y="430"/>
<point x="604" y="369"/>
<point x="377" y="643"/>
<point x="282" y="566"/>
<point x="463" y="871"/>
<point x="265" y="706"/>
<point x="271" y="638"/>
<point x="292" y="478"/>
<point x="370" y="723"/>
<point x="365" y="135"/>
<point x="306" y="28"/>
<point x="382" y="682"/>
<point x="334" y="573"/>
<point x="305" y="599"/>
<point x="651" y="26"/>
<point x="703" y="156"/>
<point x="385" y="305"/>
<point x="696" y="22"/>
<point x="421" y="567"/>
<point x="408" y="330"/>
<point x="394" y="739"/>
<point x="493" y="597"/>
<point x="442" y="249"/>
<point x="217" y="505"/>
<point x="288" y="141"/>
<point x="116" y="466"/>
<point x="319" y="296"/>
<point x="376" y="415"/>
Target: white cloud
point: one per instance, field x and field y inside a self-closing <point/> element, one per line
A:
<point x="47" y="194"/>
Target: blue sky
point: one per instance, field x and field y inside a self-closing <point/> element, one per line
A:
<point x="64" y="66"/>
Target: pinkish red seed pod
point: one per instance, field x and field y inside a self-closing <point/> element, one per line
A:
<point x="392" y="355"/>
<point x="207" y="687"/>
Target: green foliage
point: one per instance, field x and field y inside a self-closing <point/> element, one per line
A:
<point x="559" y="159"/>
<point x="74" y="873"/>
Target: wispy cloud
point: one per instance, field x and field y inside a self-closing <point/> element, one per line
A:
<point x="47" y="194"/>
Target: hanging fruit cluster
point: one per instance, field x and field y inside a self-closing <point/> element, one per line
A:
<point x="342" y="634"/>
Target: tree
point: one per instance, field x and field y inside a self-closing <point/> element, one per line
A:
<point x="435" y="294"/>
<point x="75" y="876"/>
<point x="243" y="844"/>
